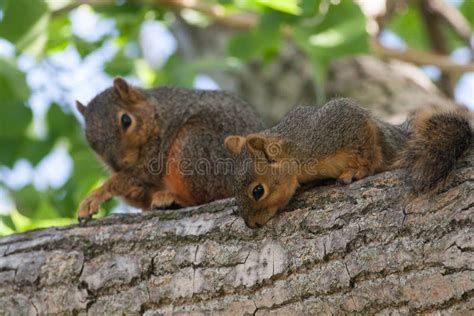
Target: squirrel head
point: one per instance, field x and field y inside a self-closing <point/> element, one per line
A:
<point x="265" y="177"/>
<point x="118" y="123"/>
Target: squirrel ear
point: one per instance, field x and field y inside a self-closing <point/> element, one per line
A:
<point x="256" y="142"/>
<point x="121" y="87"/>
<point x="271" y="148"/>
<point x="81" y="108"/>
<point x="126" y="92"/>
<point x="234" y="144"/>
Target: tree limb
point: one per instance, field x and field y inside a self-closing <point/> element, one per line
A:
<point x="241" y="20"/>
<point x="452" y="17"/>
<point x="438" y="41"/>
<point x="422" y="58"/>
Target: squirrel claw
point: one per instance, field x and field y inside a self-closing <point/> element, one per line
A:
<point x="83" y="220"/>
<point x="87" y="208"/>
<point x="343" y="182"/>
<point x="168" y="206"/>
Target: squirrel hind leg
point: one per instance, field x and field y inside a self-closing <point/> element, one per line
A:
<point x="347" y="177"/>
<point x="166" y="200"/>
<point x="351" y="175"/>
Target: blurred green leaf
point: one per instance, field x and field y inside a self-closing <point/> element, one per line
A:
<point x="63" y="201"/>
<point x="245" y="45"/>
<point x="61" y="124"/>
<point x="263" y="41"/>
<point x="84" y="48"/>
<point x="5" y="229"/>
<point x="310" y="7"/>
<point x="34" y="150"/>
<point x="60" y="34"/>
<point x="8" y="222"/>
<point x="13" y="85"/>
<point x="410" y="27"/>
<point x="120" y="65"/>
<point x="27" y="200"/>
<point x="25" y="24"/>
<point x="15" y="117"/>
<point x="287" y="6"/>
<point x="467" y="9"/>
<point x="173" y="73"/>
<point x="340" y="33"/>
<point x="8" y="157"/>
<point x="23" y="223"/>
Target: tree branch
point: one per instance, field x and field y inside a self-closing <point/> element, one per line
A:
<point x="452" y="17"/>
<point x="438" y="41"/>
<point x="364" y="248"/>
<point x="241" y="20"/>
<point x="422" y="58"/>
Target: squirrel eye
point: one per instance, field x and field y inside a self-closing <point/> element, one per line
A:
<point x="258" y="192"/>
<point x="126" y="121"/>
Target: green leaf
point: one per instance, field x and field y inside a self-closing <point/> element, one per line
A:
<point x="25" y="24"/>
<point x="13" y="85"/>
<point x="310" y="7"/>
<point x="27" y="200"/>
<point x="120" y="65"/>
<point x="23" y="223"/>
<point x="15" y="118"/>
<point x="60" y="34"/>
<point x="245" y="45"/>
<point x="8" y="157"/>
<point x="341" y="32"/>
<point x="4" y="228"/>
<point x="287" y="6"/>
<point x="7" y="221"/>
<point x="63" y="201"/>
<point x="34" y="150"/>
<point x="174" y="73"/>
<point x="264" y="40"/>
<point x="410" y="27"/>
<point x="467" y="9"/>
<point x="84" y="48"/>
<point x="61" y="124"/>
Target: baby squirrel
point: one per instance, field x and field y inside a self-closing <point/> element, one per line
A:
<point x="341" y="141"/>
<point x="163" y="145"/>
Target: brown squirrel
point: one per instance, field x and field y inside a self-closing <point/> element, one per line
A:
<point x="151" y="140"/>
<point x="341" y="140"/>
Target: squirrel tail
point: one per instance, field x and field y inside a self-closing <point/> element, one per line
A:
<point x="436" y="141"/>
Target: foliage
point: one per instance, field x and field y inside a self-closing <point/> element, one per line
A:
<point x="322" y="29"/>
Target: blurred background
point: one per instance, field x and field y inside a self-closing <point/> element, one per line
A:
<point x="391" y="55"/>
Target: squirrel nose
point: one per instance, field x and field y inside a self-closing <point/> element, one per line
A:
<point x="252" y="224"/>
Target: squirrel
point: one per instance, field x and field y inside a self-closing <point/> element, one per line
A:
<point x="163" y="145"/>
<point x="343" y="141"/>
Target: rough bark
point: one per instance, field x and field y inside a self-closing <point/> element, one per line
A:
<point x="368" y="247"/>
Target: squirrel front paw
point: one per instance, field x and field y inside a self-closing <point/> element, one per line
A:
<point x="88" y="207"/>
<point x="164" y="201"/>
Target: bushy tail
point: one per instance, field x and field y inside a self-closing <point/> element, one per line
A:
<point x="436" y="142"/>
